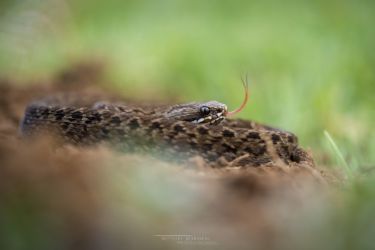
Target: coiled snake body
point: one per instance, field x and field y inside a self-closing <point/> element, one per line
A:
<point x="175" y="132"/>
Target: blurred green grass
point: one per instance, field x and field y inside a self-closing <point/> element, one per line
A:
<point x="310" y="63"/>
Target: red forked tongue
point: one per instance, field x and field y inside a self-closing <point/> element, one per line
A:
<point x="246" y="88"/>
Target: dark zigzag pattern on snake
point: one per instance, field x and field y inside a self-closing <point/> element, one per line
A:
<point x="169" y="131"/>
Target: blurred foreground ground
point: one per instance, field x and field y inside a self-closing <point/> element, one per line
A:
<point x="93" y="198"/>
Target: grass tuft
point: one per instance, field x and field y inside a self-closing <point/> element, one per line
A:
<point x="339" y="156"/>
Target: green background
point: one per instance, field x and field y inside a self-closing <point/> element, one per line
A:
<point x="310" y="63"/>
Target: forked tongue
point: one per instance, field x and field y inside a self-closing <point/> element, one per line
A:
<point x="246" y="88"/>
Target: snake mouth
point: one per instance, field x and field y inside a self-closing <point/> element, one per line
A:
<point x="212" y="119"/>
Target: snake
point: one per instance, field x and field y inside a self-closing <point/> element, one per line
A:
<point x="179" y="132"/>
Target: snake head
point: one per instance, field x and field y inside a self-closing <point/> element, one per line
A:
<point x="212" y="112"/>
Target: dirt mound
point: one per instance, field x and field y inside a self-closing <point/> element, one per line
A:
<point x="97" y="198"/>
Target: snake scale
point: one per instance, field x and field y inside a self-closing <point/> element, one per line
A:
<point x="177" y="132"/>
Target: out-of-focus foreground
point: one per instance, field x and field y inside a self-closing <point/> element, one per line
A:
<point x="311" y="70"/>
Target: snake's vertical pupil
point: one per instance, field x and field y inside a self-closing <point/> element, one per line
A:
<point x="204" y="110"/>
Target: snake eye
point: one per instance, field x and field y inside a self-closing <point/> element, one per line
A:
<point x="204" y="110"/>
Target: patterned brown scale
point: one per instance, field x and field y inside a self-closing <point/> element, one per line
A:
<point x="175" y="132"/>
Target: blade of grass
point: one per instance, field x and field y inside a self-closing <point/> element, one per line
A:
<point x="338" y="154"/>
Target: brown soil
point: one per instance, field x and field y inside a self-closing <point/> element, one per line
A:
<point x="93" y="197"/>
